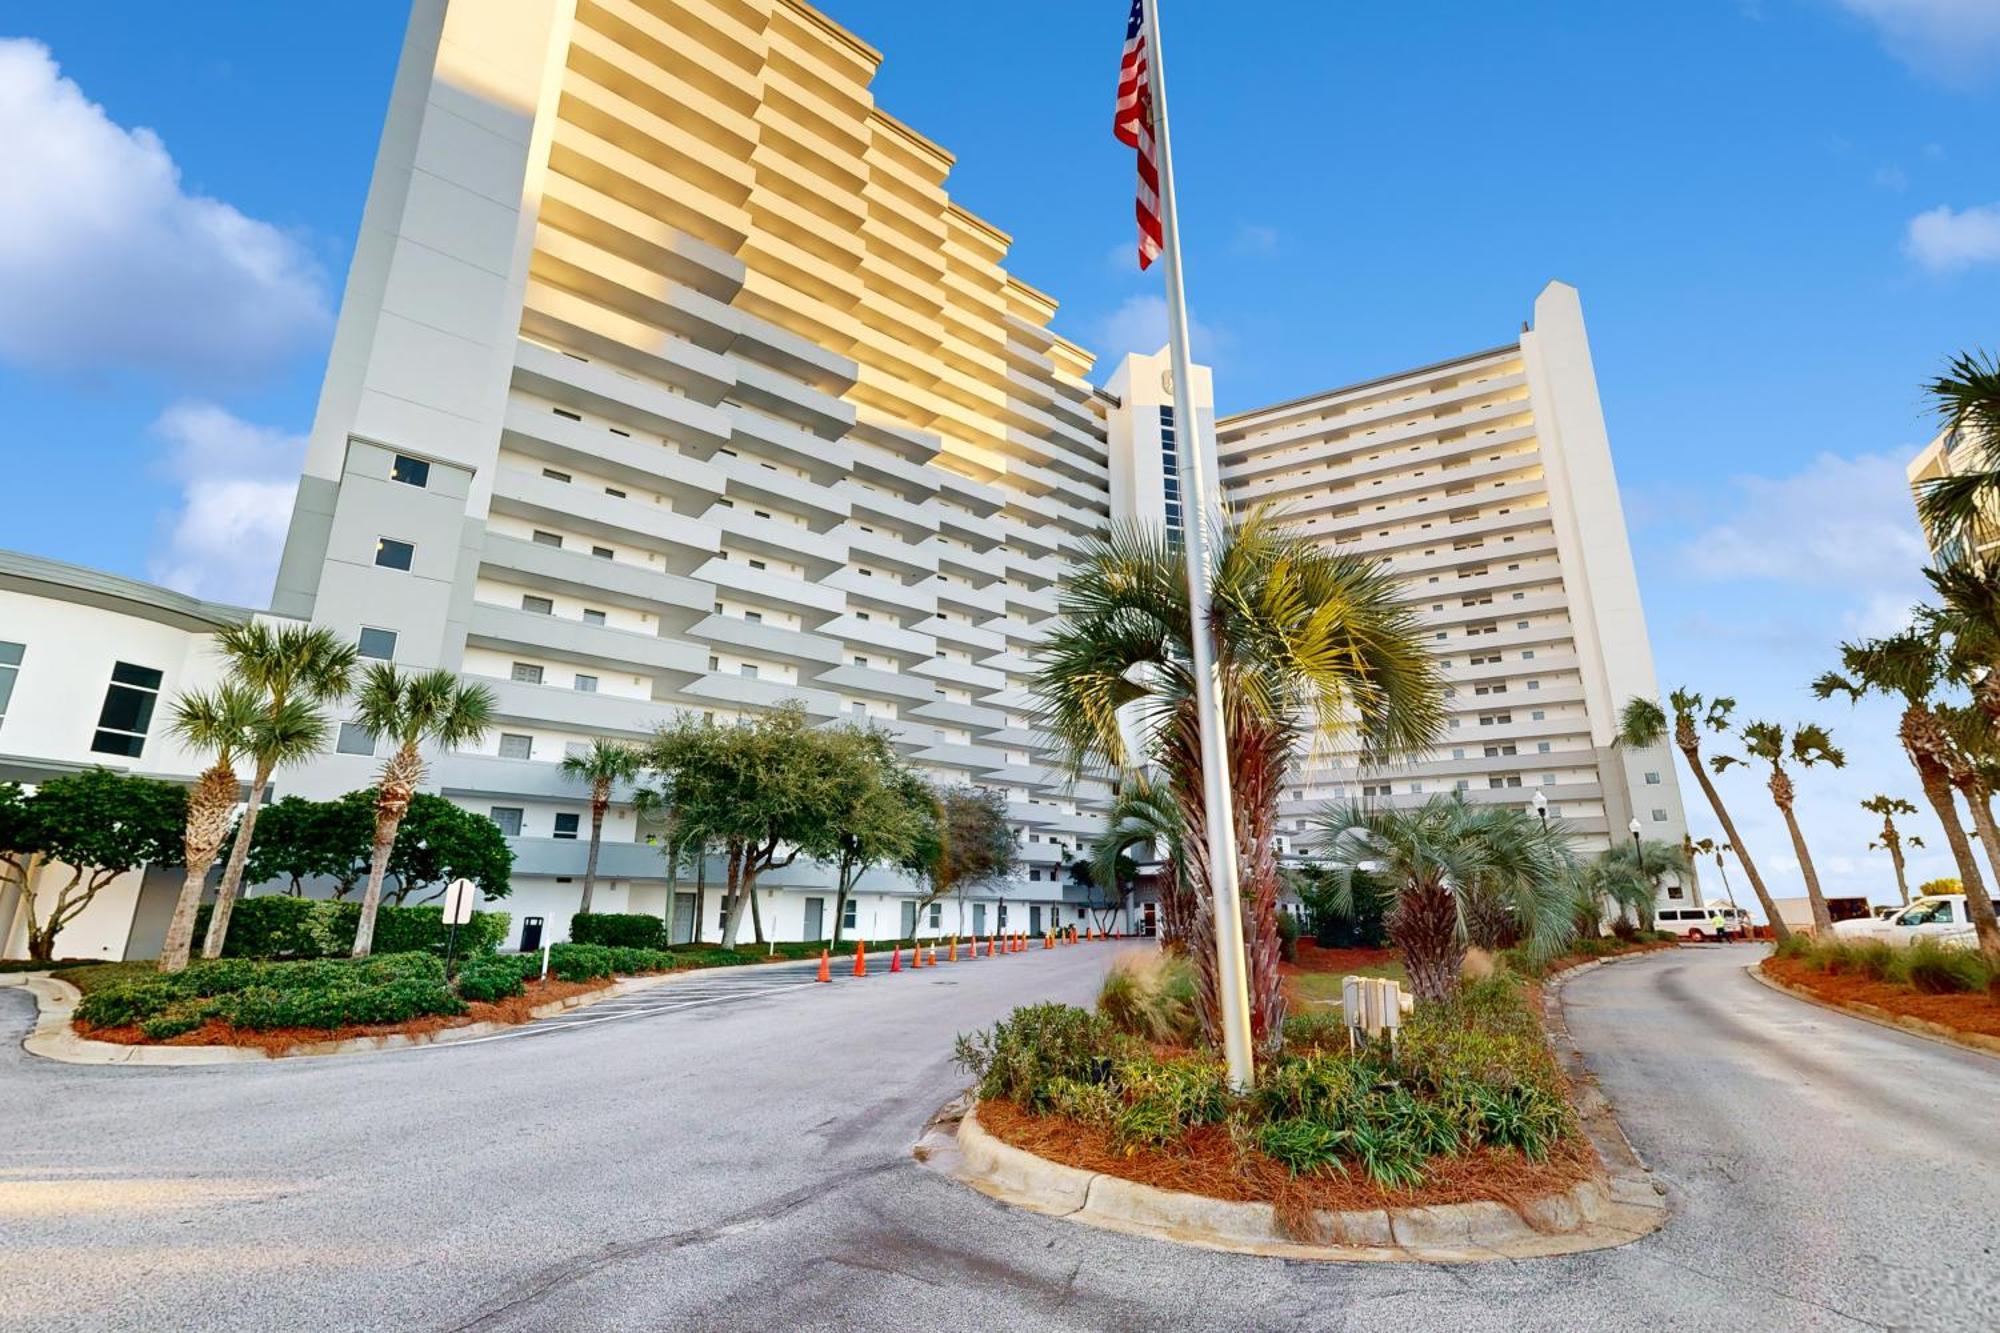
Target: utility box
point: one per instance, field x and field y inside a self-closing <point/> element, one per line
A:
<point x="531" y="934"/>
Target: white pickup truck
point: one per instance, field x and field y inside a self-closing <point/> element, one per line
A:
<point x="1941" y="917"/>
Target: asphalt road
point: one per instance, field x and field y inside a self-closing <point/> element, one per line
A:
<point x="743" y="1163"/>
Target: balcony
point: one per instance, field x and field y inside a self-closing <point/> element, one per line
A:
<point x="539" y="635"/>
<point x="560" y="569"/>
<point x="542" y="858"/>
<point x="682" y="543"/>
<point x="886" y="549"/>
<point x="593" y="713"/>
<point x="551" y="314"/>
<point x="604" y="389"/>
<point x="748" y="481"/>
<point x="881" y="591"/>
<point x="535" y="430"/>
<point x="880" y="636"/>
<point x="756" y="436"/>
<point x="794" y="647"/>
<point x="815" y="603"/>
<point x="780" y="539"/>
<point x="734" y="691"/>
<point x="877" y="683"/>
<point x="971" y="717"/>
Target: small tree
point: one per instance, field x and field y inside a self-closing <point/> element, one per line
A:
<point x="97" y="825"/>
<point x="434" y="708"/>
<point x="1645" y="867"/>
<point x="975" y="845"/>
<point x="888" y="813"/>
<point x="440" y="842"/>
<point x="218" y="723"/>
<point x="1892" y="839"/>
<point x="293" y="670"/>
<point x="299" y="839"/>
<point x="1144" y="812"/>
<point x="603" y="765"/>
<point x="1804" y="745"/>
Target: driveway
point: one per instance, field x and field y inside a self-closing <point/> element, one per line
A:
<point x="744" y="1163"/>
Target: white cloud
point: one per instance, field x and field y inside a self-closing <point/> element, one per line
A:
<point x="1255" y="239"/>
<point x="1140" y="325"/>
<point x="1951" y="41"/>
<point x="223" y="539"/>
<point x="1845" y="523"/>
<point x="1943" y="240"/>
<point x="107" y="262"/>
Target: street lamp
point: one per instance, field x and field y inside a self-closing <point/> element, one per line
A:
<point x="1542" y="808"/>
<point x="1634" y="829"/>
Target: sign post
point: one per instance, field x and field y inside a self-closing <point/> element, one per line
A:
<point x="458" y="900"/>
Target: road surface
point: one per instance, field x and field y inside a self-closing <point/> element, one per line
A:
<point x="735" y="1155"/>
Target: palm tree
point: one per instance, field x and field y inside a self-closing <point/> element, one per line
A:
<point x="1910" y="666"/>
<point x="1144" y="812"/>
<point x="294" y="670"/>
<point x="1643" y="725"/>
<point x="434" y="708"/>
<point x="603" y="764"/>
<point x="1805" y="745"/>
<point x="1430" y="859"/>
<point x="1613" y="877"/>
<point x="1644" y="866"/>
<point x="1967" y="398"/>
<point x="1891" y="839"/>
<point x="1969" y="621"/>
<point x="1304" y="639"/>
<point x="220" y="723"/>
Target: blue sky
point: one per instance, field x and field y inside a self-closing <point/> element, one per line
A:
<point x="1782" y="215"/>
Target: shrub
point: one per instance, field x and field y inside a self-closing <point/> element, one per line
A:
<point x="1938" y="969"/>
<point x="1316" y="1030"/>
<point x="170" y="1025"/>
<point x="323" y="993"/>
<point x="579" y="962"/>
<point x="123" y="1005"/>
<point x="273" y="926"/>
<point x="1023" y="1055"/>
<point x="1624" y="930"/>
<point x="490" y="979"/>
<point x="630" y="930"/>
<point x="1305" y="1147"/>
<point x="276" y="926"/>
<point x="1151" y="996"/>
<point x="1288" y="937"/>
<point x="1165" y="1098"/>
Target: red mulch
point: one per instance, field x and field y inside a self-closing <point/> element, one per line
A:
<point x="1312" y="958"/>
<point x="278" y="1041"/>
<point x="1963" y="1012"/>
<point x="1207" y="1162"/>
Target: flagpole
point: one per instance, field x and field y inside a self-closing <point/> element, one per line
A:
<point x="1231" y="970"/>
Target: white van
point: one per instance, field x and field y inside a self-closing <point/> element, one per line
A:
<point x="1942" y="917"/>
<point x="1696" y="923"/>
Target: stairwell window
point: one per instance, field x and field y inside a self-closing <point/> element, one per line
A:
<point x="128" y="710"/>
<point x="593" y="617"/>
<point x="353" y="739"/>
<point x="392" y="554"/>
<point x="547" y="538"/>
<point x="410" y="471"/>
<point x="379" y="644"/>
<point x="10" y="670"/>
<point x="527" y="673"/>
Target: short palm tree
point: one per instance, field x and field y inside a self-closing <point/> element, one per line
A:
<point x="221" y="722"/>
<point x="294" y="670"/>
<point x="1645" y="865"/>
<point x="1432" y="858"/>
<point x="1305" y="640"/>
<point x="603" y="764"/>
<point x="1967" y="399"/>
<point x="1805" y="745"/>
<point x="1144" y="812"/>
<point x="1643" y="725"/>
<point x="411" y="710"/>
<point x="1612" y="878"/>
<point x="1910" y="666"/>
<point x="1892" y="839"/>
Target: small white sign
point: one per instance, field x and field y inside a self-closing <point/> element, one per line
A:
<point x="458" y="901"/>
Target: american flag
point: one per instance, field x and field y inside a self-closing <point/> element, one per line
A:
<point x="1134" y="127"/>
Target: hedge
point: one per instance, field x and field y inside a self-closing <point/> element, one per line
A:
<point x="630" y="930"/>
<point x="324" y="994"/>
<point x="279" y="926"/>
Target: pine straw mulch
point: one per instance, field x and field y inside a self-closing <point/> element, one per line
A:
<point x="1310" y="957"/>
<point x="1207" y="1162"/>
<point x="1962" y="1011"/>
<point x="280" y="1041"/>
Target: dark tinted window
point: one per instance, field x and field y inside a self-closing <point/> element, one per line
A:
<point x="392" y="554"/>
<point x="410" y="471"/>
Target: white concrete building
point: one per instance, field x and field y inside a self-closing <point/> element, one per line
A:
<point x="1486" y="483"/>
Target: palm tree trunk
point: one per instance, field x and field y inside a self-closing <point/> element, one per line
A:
<point x="1778" y="928"/>
<point x="599" y="799"/>
<point x="207" y="825"/>
<point x="399" y="782"/>
<point x="1424" y="925"/>
<point x="1979" y="903"/>
<point x="1894" y="843"/>
<point x="1937" y="790"/>
<point x="232" y="874"/>
<point x="1781" y="793"/>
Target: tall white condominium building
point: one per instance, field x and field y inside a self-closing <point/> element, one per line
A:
<point x="1486" y="484"/>
<point x="669" y="376"/>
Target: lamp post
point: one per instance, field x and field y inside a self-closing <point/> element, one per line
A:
<point x="1634" y="828"/>
<point x="1542" y="808"/>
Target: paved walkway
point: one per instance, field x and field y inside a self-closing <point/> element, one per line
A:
<point x="741" y="1162"/>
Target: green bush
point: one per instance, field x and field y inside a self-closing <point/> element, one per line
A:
<point x="1314" y="1030"/>
<point x="276" y="926"/>
<point x="1163" y="1099"/>
<point x="630" y="930"/>
<point x="1023" y="1055"/>
<point x="1152" y="997"/>
<point x="1288" y="937"/>
<point x="494" y="978"/>
<point x="272" y="926"/>
<point x="326" y="993"/>
<point x="1937" y="969"/>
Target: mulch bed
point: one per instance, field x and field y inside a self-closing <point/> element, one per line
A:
<point x="1962" y="1012"/>
<point x="278" y="1041"/>
<point x="1312" y="958"/>
<point x="1207" y="1162"/>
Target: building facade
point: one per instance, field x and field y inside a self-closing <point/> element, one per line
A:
<point x="1949" y="454"/>
<point x="1485" y="482"/>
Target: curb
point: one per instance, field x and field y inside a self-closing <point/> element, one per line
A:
<point x="53" y="1038"/>
<point x="1976" y="1042"/>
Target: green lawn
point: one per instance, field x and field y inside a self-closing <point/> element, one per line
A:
<point x="1321" y="990"/>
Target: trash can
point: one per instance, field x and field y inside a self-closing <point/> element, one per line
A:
<point x="531" y="934"/>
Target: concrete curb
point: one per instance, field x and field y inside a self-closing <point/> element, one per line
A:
<point x="1597" y="1214"/>
<point x="55" y="1039"/>
<point x="1977" y="1042"/>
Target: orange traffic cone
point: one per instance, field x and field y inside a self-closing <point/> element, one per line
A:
<point x="990" y="942"/>
<point x="860" y="958"/>
<point x="1048" y="941"/>
<point x="896" y="959"/>
<point x="952" y="956"/>
<point x="933" y="961"/>
<point x="825" y="965"/>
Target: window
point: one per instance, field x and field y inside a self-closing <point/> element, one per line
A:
<point x="937" y="915"/>
<point x="566" y="825"/>
<point x="554" y="475"/>
<point x="1534" y="684"/>
<point x="127" y="711"/>
<point x="527" y="673"/>
<point x="392" y="554"/>
<point x="860" y="661"/>
<point x="1527" y="654"/>
<point x="754" y="617"/>
<point x="847" y="915"/>
<point x="10" y="668"/>
<point x="547" y="538"/>
<point x="748" y="671"/>
<point x="507" y="818"/>
<point x="602" y="552"/>
<point x="514" y="746"/>
<point x="565" y="412"/>
<point x="540" y="606"/>
<point x="758" y="564"/>
<point x="585" y="684"/>
<point x="1541" y="747"/>
<point x="377" y="643"/>
<point x="354" y="740"/>
<point x="1652" y="779"/>
<point x="1659" y="816"/>
<point x="614" y="492"/>
<point x="591" y="617"/>
<point x="410" y="471"/>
